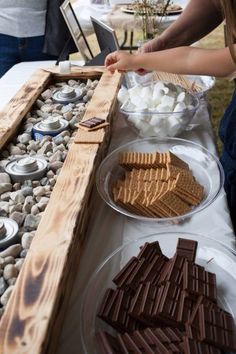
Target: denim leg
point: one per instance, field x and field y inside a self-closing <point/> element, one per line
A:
<point x="31" y="48"/>
<point x="8" y="53"/>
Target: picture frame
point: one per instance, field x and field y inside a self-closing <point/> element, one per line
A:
<point x="76" y="30"/>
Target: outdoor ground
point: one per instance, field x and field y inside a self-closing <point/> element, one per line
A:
<point x="220" y="94"/>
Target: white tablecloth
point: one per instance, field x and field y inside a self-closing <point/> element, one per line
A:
<point x="107" y="229"/>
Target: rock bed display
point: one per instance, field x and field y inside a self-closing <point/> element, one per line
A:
<point x="26" y="201"/>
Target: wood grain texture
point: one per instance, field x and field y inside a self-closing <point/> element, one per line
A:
<point x="102" y="102"/>
<point x="34" y="314"/>
<point x="13" y="113"/>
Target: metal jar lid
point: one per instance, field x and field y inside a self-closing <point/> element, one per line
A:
<point x="27" y="167"/>
<point x="51" y="125"/>
<point x="67" y="94"/>
<point x="8" y="232"/>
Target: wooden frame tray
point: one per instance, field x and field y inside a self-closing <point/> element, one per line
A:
<point x="32" y="320"/>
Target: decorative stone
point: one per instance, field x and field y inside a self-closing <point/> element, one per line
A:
<point x="17" y="197"/>
<point x="5" y="297"/>
<point x="35" y="184"/>
<point x="31" y="222"/>
<point x="46" y="94"/>
<point x="39" y="103"/>
<point x="45" y="148"/>
<point x="24" y="138"/>
<point x="27" y="239"/>
<point x="16" y="207"/>
<point x="33" y="146"/>
<point x="4" y="208"/>
<point x="15" y="150"/>
<point x="11" y="281"/>
<point x="54" y="166"/>
<point x="29" y="202"/>
<point x="58" y="140"/>
<point x="12" y="251"/>
<point x="50" y="174"/>
<point x="26" y="191"/>
<point x="35" y="210"/>
<point x="4" y="178"/>
<point x="5" y="187"/>
<point x="57" y="156"/>
<point x="16" y="186"/>
<point x="23" y="253"/>
<point x="10" y="271"/>
<point x="3" y="285"/>
<point x="60" y="147"/>
<point x="5" y="196"/>
<point x="38" y="191"/>
<point x="9" y="260"/>
<point x="19" y="264"/>
<point x="47" y="108"/>
<point x="68" y="115"/>
<point x="18" y="217"/>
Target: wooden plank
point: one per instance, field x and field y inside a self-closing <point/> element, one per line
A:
<point x="102" y="102"/>
<point x="34" y="313"/>
<point x="84" y="72"/>
<point x="13" y="113"/>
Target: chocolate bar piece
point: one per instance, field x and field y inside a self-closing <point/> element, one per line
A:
<point x="148" y="341"/>
<point x="187" y="305"/>
<point x="92" y="122"/>
<point x="149" y="250"/>
<point x="114" y="311"/>
<point x="174" y="270"/>
<point x="217" y="328"/>
<point x="192" y="346"/>
<point x="198" y="281"/>
<point x="187" y="249"/>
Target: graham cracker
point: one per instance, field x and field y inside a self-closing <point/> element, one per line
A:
<point x="86" y="137"/>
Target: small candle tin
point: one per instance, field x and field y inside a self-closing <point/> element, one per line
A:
<point x="50" y="126"/>
<point x="26" y="168"/>
<point x="8" y="232"/>
<point x="67" y="94"/>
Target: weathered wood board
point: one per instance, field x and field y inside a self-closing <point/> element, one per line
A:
<point x="32" y="320"/>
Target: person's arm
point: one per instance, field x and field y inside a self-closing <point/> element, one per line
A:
<point x="181" y="60"/>
<point x="198" y="19"/>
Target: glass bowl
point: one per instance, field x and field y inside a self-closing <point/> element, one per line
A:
<point x="205" y="167"/>
<point x="160" y="121"/>
<point x="211" y="254"/>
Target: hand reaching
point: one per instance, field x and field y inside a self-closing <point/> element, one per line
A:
<point x="121" y="61"/>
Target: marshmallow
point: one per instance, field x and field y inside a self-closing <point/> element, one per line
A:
<point x="168" y="101"/>
<point x="64" y="67"/>
<point x="123" y="95"/>
<point x="179" y="107"/>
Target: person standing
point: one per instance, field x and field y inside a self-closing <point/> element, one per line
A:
<point x="31" y="30"/>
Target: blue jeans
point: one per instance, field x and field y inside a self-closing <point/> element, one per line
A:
<point x="15" y="50"/>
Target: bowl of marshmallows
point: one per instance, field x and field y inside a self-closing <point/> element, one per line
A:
<point x="158" y="109"/>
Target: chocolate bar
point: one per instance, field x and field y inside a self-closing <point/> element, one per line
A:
<point x="192" y="346"/>
<point x="198" y="281"/>
<point x="92" y="122"/>
<point x="187" y="249"/>
<point x="153" y="293"/>
<point x="150" y="250"/>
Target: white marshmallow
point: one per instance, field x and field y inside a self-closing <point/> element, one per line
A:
<point x="181" y="97"/>
<point x="179" y="107"/>
<point x="163" y="108"/>
<point x="123" y="95"/>
<point x="64" y="67"/>
<point x="168" y="101"/>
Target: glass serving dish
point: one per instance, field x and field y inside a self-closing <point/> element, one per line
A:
<point x="211" y="254"/>
<point x="161" y="121"/>
<point x="205" y="167"/>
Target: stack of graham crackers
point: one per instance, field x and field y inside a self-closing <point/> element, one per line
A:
<point x="156" y="185"/>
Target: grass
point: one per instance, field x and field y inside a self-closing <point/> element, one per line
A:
<point x="219" y="96"/>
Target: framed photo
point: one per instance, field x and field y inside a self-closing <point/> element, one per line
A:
<point x="76" y="30"/>
<point x="106" y="35"/>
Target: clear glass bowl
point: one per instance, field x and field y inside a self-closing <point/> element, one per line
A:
<point x="151" y="123"/>
<point x="205" y="167"/>
<point x="211" y="254"/>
